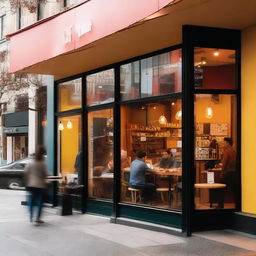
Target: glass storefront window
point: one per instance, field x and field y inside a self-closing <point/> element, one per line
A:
<point x="157" y="75"/>
<point x="214" y="68"/>
<point x="153" y="129"/>
<point x="100" y="153"/>
<point x="100" y="87"/>
<point x="70" y="95"/>
<point x="216" y="183"/>
<point x="69" y="149"/>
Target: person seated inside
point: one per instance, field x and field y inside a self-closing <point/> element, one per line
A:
<point x="167" y="161"/>
<point x="109" y="167"/>
<point x="138" y="180"/>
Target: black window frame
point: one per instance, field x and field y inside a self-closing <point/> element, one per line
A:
<point x="193" y="36"/>
<point x="2" y="25"/>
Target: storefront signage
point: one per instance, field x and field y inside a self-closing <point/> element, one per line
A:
<point x="84" y="28"/>
<point x="23" y="129"/>
<point x="81" y="29"/>
<point x="68" y="35"/>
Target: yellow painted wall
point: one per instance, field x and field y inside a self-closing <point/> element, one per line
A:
<point x="221" y="110"/>
<point x="69" y="144"/>
<point x="248" y="77"/>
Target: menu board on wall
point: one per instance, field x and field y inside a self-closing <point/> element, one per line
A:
<point x="219" y="129"/>
<point x="199" y="128"/>
<point x="214" y="129"/>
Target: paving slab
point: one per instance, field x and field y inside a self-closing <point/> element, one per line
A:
<point x="83" y="234"/>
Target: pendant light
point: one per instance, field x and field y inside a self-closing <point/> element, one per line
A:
<point x="61" y="126"/>
<point x="162" y="119"/>
<point x="178" y="115"/>
<point x="216" y="53"/>
<point x="69" y="125"/>
<point x="209" y="113"/>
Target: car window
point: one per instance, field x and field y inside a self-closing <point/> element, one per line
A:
<point x="18" y="166"/>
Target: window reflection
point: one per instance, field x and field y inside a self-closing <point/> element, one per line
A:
<point x="70" y="94"/>
<point x="100" y="152"/>
<point x="151" y="166"/>
<point x="215" y="151"/>
<point x="214" y="68"/>
<point x="100" y="87"/>
<point x="157" y="75"/>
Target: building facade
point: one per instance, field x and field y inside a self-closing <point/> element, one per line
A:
<point x="165" y="78"/>
<point x="23" y="115"/>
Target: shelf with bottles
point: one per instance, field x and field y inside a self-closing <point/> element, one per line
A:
<point x="170" y="133"/>
<point x="152" y="128"/>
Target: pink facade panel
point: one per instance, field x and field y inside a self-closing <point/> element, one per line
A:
<point x="76" y="28"/>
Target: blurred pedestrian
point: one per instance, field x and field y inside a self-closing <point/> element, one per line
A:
<point x="35" y="180"/>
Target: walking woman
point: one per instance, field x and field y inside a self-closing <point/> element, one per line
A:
<point x="35" y="179"/>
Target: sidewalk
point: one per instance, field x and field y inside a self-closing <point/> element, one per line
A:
<point x="94" y="236"/>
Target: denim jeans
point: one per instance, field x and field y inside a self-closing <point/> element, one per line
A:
<point x="35" y="202"/>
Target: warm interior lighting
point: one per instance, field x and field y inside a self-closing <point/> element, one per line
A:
<point x="69" y="125"/>
<point x="203" y="61"/>
<point x="216" y="53"/>
<point x="109" y="122"/>
<point x="178" y="115"/>
<point x="61" y="126"/>
<point x="173" y="103"/>
<point x="162" y="119"/>
<point x="209" y="113"/>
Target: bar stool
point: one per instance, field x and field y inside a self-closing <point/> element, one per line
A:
<point x="135" y="193"/>
<point x="163" y="191"/>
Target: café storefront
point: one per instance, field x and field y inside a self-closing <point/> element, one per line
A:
<point x="181" y="101"/>
<point x="147" y="104"/>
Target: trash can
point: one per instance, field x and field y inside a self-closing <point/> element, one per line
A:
<point x="66" y="205"/>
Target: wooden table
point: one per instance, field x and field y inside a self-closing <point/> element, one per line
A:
<point x="213" y="187"/>
<point x="169" y="173"/>
<point x="212" y="170"/>
<point x="103" y="185"/>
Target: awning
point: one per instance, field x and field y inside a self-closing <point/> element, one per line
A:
<point x="102" y="32"/>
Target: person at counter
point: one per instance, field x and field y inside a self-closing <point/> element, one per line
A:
<point x="228" y="162"/>
<point x="167" y="161"/>
<point x="228" y="165"/>
<point x="137" y="177"/>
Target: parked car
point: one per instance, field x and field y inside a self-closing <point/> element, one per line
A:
<point x="11" y="175"/>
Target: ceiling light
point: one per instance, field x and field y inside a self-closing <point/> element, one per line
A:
<point x="216" y="53"/>
<point x="61" y="126"/>
<point x="203" y="61"/>
<point x="178" y="115"/>
<point x="173" y="103"/>
<point x="209" y="113"/>
<point x="162" y="119"/>
<point x="69" y="125"/>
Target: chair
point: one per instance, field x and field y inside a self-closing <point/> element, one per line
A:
<point x="135" y="194"/>
<point x="164" y="191"/>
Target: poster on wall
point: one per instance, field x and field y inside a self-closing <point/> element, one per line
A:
<point x="219" y="129"/>
<point x="199" y="128"/>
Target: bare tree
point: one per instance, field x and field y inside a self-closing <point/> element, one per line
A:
<point x="14" y="84"/>
<point x="31" y="5"/>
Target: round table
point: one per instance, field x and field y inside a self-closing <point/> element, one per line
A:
<point x="213" y="188"/>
